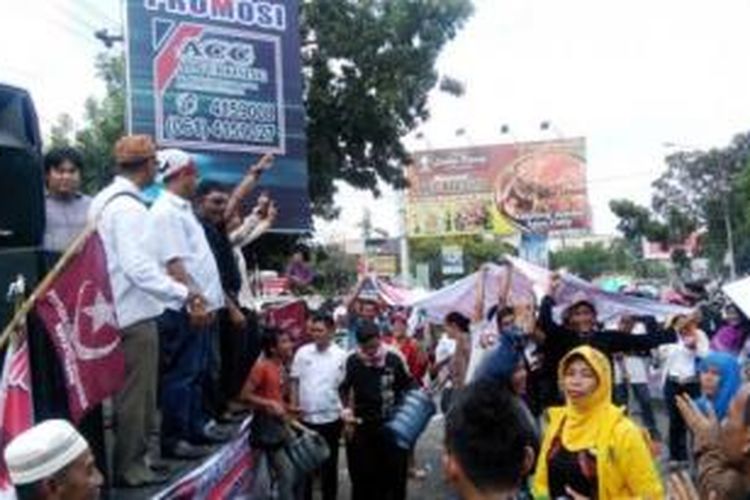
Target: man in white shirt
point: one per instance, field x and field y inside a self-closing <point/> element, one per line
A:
<point x="317" y="371"/>
<point x="681" y="377"/>
<point x="179" y="243"/>
<point x="140" y="289"/>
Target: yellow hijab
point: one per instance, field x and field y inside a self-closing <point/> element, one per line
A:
<point x="586" y="419"/>
<point x="597" y="425"/>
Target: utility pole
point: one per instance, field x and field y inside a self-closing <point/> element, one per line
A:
<point x="728" y="223"/>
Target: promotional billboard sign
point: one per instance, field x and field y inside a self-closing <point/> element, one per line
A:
<point x="537" y="187"/>
<point x="222" y="79"/>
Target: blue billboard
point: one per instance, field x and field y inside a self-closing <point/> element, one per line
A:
<point x="223" y="80"/>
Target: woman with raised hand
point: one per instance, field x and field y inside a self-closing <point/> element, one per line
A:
<point x="591" y="449"/>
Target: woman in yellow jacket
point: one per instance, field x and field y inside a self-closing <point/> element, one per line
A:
<point x="590" y="448"/>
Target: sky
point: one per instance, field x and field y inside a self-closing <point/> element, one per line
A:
<point x="629" y="76"/>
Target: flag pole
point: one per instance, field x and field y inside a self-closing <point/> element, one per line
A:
<point x="24" y="309"/>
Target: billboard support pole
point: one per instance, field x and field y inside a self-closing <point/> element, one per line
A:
<point x="403" y="239"/>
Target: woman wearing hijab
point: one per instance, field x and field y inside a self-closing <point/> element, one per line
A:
<point x="731" y="336"/>
<point x="720" y="379"/>
<point x="590" y="447"/>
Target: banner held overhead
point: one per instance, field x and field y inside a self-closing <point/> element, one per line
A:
<point x="223" y="80"/>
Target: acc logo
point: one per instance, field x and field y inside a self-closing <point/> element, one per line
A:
<point x="221" y="50"/>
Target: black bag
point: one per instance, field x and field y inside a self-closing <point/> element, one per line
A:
<point x="267" y="432"/>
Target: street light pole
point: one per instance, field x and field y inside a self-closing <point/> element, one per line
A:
<point x="730" y="237"/>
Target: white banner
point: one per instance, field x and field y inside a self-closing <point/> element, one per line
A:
<point x="528" y="283"/>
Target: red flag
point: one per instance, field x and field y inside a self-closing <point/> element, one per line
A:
<point x="290" y="318"/>
<point x="16" y="407"/>
<point x="78" y="312"/>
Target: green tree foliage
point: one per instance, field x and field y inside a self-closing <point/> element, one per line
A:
<point x="103" y="124"/>
<point x="700" y="189"/>
<point x="62" y="131"/>
<point x="369" y="66"/>
<point x="596" y="259"/>
<point x="104" y="121"/>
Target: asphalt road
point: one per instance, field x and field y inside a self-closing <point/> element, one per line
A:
<point x="429" y="456"/>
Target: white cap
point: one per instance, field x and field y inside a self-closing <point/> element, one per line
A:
<point x="43" y="450"/>
<point x="171" y="161"/>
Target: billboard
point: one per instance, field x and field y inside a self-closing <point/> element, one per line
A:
<point x="222" y="79"/>
<point x="537" y="187"/>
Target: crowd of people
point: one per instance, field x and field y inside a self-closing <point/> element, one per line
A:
<point x="536" y="404"/>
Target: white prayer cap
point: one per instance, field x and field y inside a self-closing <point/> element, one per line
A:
<point x="42" y="451"/>
<point x="172" y="161"/>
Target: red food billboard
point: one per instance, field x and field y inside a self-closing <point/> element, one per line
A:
<point x="533" y="186"/>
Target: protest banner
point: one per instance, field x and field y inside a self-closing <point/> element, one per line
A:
<point x="228" y="473"/>
<point x="527" y="284"/>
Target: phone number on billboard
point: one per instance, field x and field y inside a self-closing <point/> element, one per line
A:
<point x="236" y="109"/>
<point x="181" y="127"/>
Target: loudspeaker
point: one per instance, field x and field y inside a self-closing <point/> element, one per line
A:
<point x="21" y="194"/>
<point x="21" y="171"/>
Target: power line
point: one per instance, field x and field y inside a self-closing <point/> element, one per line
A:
<point x="78" y="17"/>
<point x="92" y="7"/>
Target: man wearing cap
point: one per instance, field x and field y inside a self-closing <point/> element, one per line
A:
<point x="141" y="292"/>
<point x="183" y="251"/>
<point x="52" y="461"/>
<point x="580" y="327"/>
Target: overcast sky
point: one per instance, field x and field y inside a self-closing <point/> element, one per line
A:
<point x="629" y="76"/>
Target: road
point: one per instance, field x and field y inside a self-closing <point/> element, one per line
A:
<point x="429" y="456"/>
<point x="429" y="452"/>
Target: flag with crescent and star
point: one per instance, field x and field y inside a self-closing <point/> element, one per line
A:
<point x="79" y="315"/>
<point x="16" y="405"/>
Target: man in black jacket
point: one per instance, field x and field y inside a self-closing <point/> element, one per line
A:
<point x="580" y="327"/>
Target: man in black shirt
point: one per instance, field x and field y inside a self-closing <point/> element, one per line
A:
<point x="217" y="210"/>
<point x="375" y="382"/>
<point x="580" y="327"/>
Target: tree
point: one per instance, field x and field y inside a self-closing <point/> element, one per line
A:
<point x="369" y="66"/>
<point x="104" y="122"/>
<point x="634" y="224"/>
<point x="709" y="189"/>
<point x="62" y="132"/>
<point x="595" y="259"/>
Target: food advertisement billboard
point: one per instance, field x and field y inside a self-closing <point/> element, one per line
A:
<point x="534" y="187"/>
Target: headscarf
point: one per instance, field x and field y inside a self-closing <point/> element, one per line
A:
<point x="730" y="380"/>
<point x="729" y="338"/>
<point x="597" y="424"/>
<point x="585" y="419"/>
